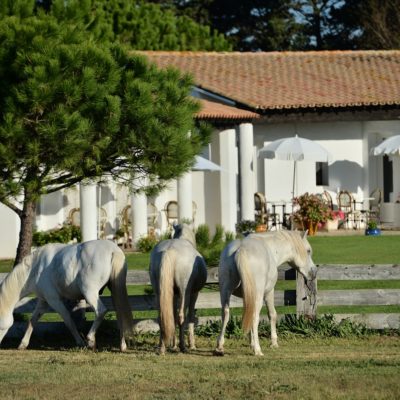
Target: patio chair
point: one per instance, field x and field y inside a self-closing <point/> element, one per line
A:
<point x="375" y="205"/>
<point x="74" y="217"/>
<point x="327" y="198"/>
<point x="260" y="208"/>
<point x="261" y="213"/>
<point x="126" y="225"/>
<point x="171" y="212"/>
<point x="152" y="215"/>
<point x="346" y="205"/>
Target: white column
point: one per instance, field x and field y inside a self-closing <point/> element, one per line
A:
<point x="9" y="232"/>
<point x="228" y="160"/>
<point x="139" y="213"/>
<point x="109" y="203"/>
<point x="246" y="171"/>
<point x="185" y="197"/>
<point x="88" y="206"/>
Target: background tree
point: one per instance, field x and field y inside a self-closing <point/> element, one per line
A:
<point x="267" y="25"/>
<point x="71" y="108"/>
<point x="138" y="24"/>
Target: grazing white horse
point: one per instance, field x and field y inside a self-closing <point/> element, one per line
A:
<point x="249" y="269"/>
<point x="56" y="272"/>
<point x="176" y="267"/>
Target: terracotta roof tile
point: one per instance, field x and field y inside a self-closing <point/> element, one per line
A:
<point x="216" y="111"/>
<point x="279" y="80"/>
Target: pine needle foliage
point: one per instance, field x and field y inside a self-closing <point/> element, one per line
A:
<point x="72" y="108"/>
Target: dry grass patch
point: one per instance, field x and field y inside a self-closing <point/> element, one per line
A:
<point x="334" y="368"/>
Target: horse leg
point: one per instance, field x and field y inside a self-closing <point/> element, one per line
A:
<point x="225" y="297"/>
<point x="176" y="320"/>
<point x="270" y="303"/>
<point x="184" y="299"/>
<point x="58" y="306"/>
<point x="191" y="318"/>
<point x="255" y="344"/>
<point x="100" y="311"/>
<point x="40" y="309"/>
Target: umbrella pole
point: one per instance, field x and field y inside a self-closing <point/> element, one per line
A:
<point x="294" y="185"/>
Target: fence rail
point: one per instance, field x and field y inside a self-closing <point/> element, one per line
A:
<point x="300" y="299"/>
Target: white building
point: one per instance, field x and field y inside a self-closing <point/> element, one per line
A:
<point x="346" y="101"/>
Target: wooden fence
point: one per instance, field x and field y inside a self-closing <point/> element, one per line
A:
<point x="302" y="297"/>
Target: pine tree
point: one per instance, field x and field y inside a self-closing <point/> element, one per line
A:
<point x="72" y="108"/>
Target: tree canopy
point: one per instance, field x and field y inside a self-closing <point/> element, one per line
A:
<point x="72" y="108"/>
<point x="138" y="24"/>
<point x="269" y="25"/>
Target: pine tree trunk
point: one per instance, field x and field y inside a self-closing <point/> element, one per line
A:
<point x="25" y="235"/>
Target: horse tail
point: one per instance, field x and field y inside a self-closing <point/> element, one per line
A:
<point x="166" y="300"/>
<point x="248" y="289"/>
<point x="119" y="293"/>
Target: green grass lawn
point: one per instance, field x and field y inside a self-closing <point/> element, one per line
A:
<point x="356" y="249"/>
<point x="327" y="250"/>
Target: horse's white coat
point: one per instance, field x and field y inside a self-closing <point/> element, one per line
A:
<point x="249" y="269"/>
<point x="177" y="267"/>
<point x="56" y="272"/>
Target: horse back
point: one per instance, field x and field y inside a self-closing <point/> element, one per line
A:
<point x="189" y="266"/>
<point x="78" y="267"/>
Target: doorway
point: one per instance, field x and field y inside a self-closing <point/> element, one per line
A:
<point x="387" y="178"/>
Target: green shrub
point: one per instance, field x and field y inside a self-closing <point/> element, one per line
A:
<point x="202" y="236"/>
<point x="322" y="326"/>
<point x="246" y="226"/>
<point x="146" y="243"/>
<point x="65" y="234"/>
<point x="218" y="237"/>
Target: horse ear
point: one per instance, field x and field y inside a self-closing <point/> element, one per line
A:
<point x="305" y="234"/>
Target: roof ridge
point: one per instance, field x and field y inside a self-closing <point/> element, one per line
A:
<point x="264" y="53"/>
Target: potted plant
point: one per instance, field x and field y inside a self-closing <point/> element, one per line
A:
<point x="245" y="227"/>
<point x="372" y="229"/>
<point x="310" y="210"/>
<point x="261" y="226"/>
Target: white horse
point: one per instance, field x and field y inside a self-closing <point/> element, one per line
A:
<point x="56" y="272"/>
<point x="249" y="269"/>
<point x="176" y="267"/>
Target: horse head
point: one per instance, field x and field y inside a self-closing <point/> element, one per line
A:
<point x="6" y="321"/>
<point x="184" y="231"/>
<point x="10" y="290"/>
<point x="302" y="259"/>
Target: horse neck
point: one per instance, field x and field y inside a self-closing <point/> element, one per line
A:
<point x="14" y="287"/>
<point x="282" y="248"/>
<point x="188" y="235"/>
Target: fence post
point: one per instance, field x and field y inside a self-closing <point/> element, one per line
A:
<point x="306" y="297"/>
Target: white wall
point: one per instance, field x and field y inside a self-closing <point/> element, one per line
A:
<point x="9" y="232"/>
<point x="344" y="140"/>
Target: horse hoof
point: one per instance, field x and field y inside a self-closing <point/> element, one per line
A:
<point x="274" y="345"/>
<point x="218" y="353"/>
<point x="259" y="353"/>
<point x="91" y="344"/>
<point x="22" y="347"/>
<point x="123" y="349"/>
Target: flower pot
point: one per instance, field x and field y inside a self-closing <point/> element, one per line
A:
<point x="312" y="227"/>
<point x="261" y="228"/>
<point x="373" y="232"/>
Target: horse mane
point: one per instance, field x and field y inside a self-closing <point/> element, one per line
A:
<point x="14" y="281"/>
<point x="183" y="231"/>
<point x="295" y="238"/>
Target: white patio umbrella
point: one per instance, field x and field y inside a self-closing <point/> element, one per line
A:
<point x="295" y="149"/>
<point x="390" y="146"/>
<point x="202" y="164"/>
